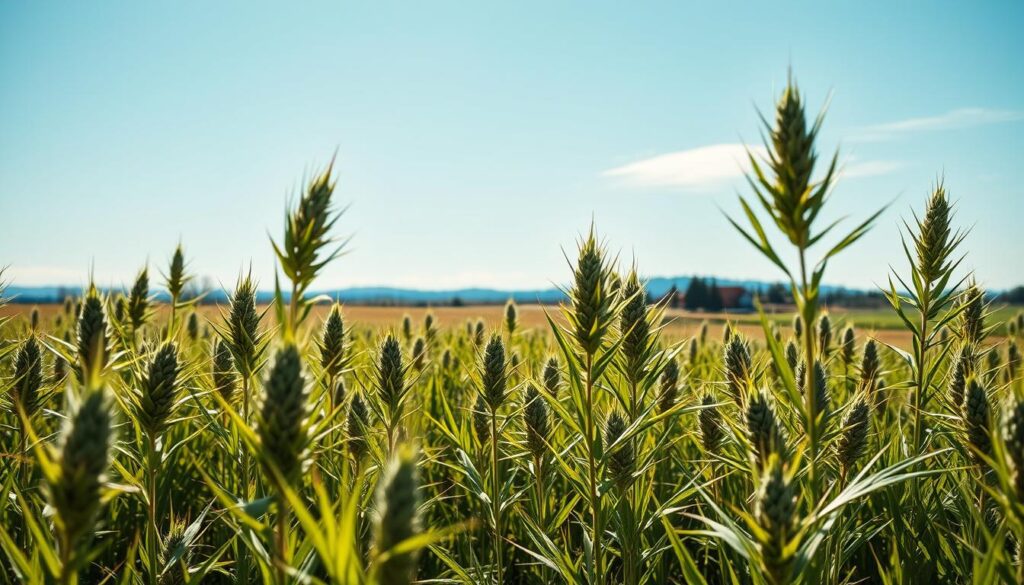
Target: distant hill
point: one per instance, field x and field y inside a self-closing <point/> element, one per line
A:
<point x="383" y="295"/>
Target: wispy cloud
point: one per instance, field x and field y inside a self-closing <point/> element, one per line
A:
<point x="702" y="167"/>
<point x="951" y="120"/>
<point x="869" y="168"/>
<point x="715" y="165"/>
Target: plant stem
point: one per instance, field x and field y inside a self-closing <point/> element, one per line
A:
<point x="809" y="310"/>
<point x="152" y="463"/>
<point x="496" y="497"/>
<point x="921" y="350"/>
<point x="595" y="504"/>
<point x="283" y="516"/>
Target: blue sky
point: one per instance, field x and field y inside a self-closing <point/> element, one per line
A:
<point x="475" y="142"/>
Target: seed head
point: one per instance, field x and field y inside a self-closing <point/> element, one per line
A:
<point x="243" y="335"/>
<point x="726" y="333"/>
<point x="478" y="334"/>
<point x="763" y="429"/>
<point x="397" y="519"/>
<point x="391" y="375"/>
<point x="775" y="512"/>
<point x="224" y="381"/>
<point x="934" y="241"/>
<point x="1013" y="431"/>
<point x="28" y="376"/>
<point x="636" y="329"/>
<point x="960" y="370"/>
<point x="621" y="459"/>
<point x="737" y="366"/>
<point x="407" y="328"/>
<point x="176" y="277"/>
<point x="281" y="425"/>
<point x="332" y="343"/>
<point x="511" y="316"/>
<point x="849" y="346"/>
<point x="869" y="363"/>
<point x="175" y="555"/>
<point x="138" y="300"/>
<point x="669" y="386"/>
<point x="710" y="424"/>
<point x="552" y="376"/>
<point x="854" y="437"/>
<point x="428" y="326"/>
<point x="495" y="377"/>
<point x="972" y="315"/>
<point x="159" y="392"/>
<point x="83" y="457"/>
<point x="798" y="326"/>
<point x="792" y="354"/>
<point x="419" y="353"/>
<point x="825" y="334"/>
<point x="481" y="420"/>
<point x="93" y="338"/>
<point x="357" y="426"/>
<point x="535" y="415"/>
<point x="976" y="416"/>
<point x="692" y="349"/>
<point x="591" y="299"/>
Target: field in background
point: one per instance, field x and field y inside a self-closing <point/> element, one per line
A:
<point x="881" y="324"/>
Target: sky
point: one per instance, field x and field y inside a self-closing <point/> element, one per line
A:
<point x="475" y="142"/>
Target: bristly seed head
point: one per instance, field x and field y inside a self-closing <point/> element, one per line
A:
<point x="1013" y="432"/>
<point x="763" y="430"/>
<point x="976" y="419"/>
<point x="28" y="376"/>
<point x="159" y="393"/>
<point x="535" y="414"/>
<point x="93" y="338"/>
<point x="591" y="298"/>
<point x="83" y="458"/>
<point x="282" y="422"/>
<point x="552" y="376"/>
<point x="224" y="380"/>
<point x="775" y="512"/>
<point x="854" y="437"/>
<point x="397" y="519"/>
<point x="495" y="376"/>
<point x="934" y="241"/>
<point x="972" y="315"/>
<point x="710" y="424"/>
<point x="738" y="365"/>
<point x="669" y="386"/>
<point x="621" y="459"/>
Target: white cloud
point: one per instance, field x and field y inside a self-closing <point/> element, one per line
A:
<point x="705" y="166"/>
<point x="715" y="165"/>
<point x="869" y="168"/>
<point x="953" y="119"/>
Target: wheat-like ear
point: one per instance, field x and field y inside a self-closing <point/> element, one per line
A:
<point x="397" y="519"/>
<point x="535" y="417"/>
<point x="284" y="407"/>
<point x="159" y="392"/>
<point x="710" y="419"/>
<point x="494" y="381"/>
<point x="93" y="339"/>
<point x="669" y="382"/>
<point x="776" y="514"/>
<point x="74" y="493"/>
<point x="28" y="377"/>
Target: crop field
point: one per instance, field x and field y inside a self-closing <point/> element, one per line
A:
<point x="607" y="440"/>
